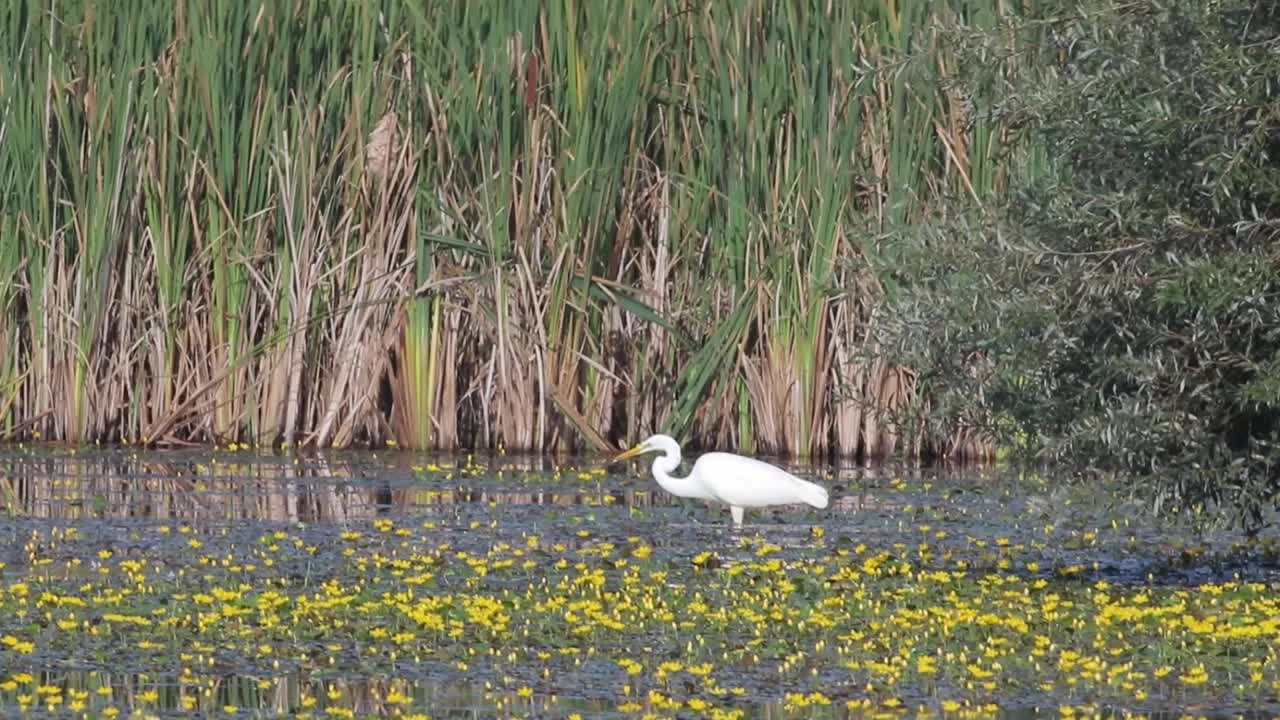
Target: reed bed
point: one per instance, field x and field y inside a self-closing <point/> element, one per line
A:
<point x="550" y="226"/>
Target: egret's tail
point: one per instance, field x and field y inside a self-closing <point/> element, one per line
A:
<point x="814" y="494"/>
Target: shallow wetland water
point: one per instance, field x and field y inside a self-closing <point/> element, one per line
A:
<point x="240" y="584"/>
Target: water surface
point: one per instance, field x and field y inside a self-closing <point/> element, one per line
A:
<point x="259" y="584"/>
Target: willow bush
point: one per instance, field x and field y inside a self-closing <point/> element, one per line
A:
<point x="544" y="226"/>
<point x="1119" y="303"/>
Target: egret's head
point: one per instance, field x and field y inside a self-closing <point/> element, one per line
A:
<point x="655" y="443"/>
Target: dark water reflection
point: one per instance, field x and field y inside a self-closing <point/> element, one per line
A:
<point x="202" y="487"/>
<point x="289" y="695"/>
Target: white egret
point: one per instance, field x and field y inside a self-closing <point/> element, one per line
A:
<point x="737" y="481"/>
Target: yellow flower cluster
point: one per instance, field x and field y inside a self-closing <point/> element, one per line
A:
<point x="815" y="627"/>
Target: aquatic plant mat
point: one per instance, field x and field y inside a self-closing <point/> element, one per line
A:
<point x="245" y="585"/>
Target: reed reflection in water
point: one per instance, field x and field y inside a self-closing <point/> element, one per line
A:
<point x="200" y="489"/>
<point x="283" y="696"/>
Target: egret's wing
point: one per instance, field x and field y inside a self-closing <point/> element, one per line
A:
<point x="747" y="482"/>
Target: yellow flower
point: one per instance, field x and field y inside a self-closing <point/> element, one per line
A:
<point x="1196" y="676"/>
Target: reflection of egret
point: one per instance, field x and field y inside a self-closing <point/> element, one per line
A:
<point x="739" y="482"/>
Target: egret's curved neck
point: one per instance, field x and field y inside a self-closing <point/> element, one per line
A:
<point x="680" y="487"/>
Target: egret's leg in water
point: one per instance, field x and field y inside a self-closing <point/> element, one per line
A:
<point x="737" y="514"/>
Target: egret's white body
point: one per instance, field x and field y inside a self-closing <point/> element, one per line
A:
<point x="735" y="480"/>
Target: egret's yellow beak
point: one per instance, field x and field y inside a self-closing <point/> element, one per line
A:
<point x="637" y="450"/>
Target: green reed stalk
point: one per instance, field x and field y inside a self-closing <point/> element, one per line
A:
<point x="603" y="115"/>
<point x="94" y="136"/>
<point x="10" y="353"/>
<point x="227" y="123"/>
<point x="27" y="200"/>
